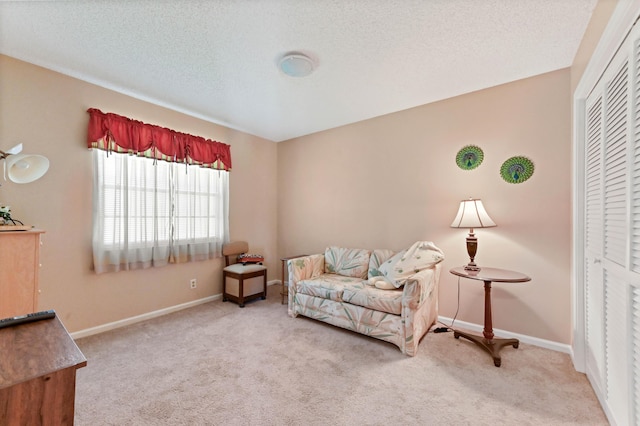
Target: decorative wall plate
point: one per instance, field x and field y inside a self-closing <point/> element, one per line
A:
<point x="516" y="169"/>
<point x="469" y="157"/>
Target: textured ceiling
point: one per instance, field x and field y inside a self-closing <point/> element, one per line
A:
<point x="217" y="59"/>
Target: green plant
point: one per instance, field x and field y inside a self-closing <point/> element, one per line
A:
<point x="5" y="214"/>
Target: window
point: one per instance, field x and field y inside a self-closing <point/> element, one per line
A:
<point x="159" y="196"/>
<point x="150" y="213"/>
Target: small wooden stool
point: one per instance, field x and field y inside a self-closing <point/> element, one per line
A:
<point x="241" y="273"/>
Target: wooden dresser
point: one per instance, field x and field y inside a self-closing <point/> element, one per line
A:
<point x="19" y="269"/>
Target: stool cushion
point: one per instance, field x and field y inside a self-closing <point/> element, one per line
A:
<point x="239" y="268"/>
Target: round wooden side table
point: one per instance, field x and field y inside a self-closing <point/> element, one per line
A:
<point x="489" y="275"/>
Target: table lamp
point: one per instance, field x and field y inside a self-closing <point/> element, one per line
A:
<point x="472" y="214"/>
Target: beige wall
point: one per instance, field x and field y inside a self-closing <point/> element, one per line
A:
<point x="47" y="112"/>
<point x="390" y="181"/>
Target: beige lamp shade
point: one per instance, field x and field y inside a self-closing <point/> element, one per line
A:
<point x="26" y="168"/>
<point x="472" y="214"/>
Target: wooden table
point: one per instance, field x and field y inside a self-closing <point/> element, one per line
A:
<point x="38" y="363"/>
<point x="489" y="275"/>
<point x="284" y="260"/>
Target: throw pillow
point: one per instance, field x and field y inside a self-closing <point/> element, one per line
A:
<point x="378" y="257"/>
<point x="421" y="255"/>
<point x="346" y="261"/>
<point x="387" y="269"/>
<point x="250" y="258"/>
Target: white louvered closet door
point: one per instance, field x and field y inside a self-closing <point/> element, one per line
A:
<point x="612" y="235"/>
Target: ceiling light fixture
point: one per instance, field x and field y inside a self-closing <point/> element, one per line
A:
<point x="296" y="64"/>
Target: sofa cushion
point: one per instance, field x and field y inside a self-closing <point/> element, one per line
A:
<point x="346" y="261"/>
<point x="389" y="301"/>
<point x="421" y="255"/>
<point x="378" y="257"/>
<point x="327" y="286"/>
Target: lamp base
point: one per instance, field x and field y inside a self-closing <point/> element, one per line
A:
<point x="472" y="248"/>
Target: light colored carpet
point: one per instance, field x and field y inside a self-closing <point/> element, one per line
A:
<point x="217" y="364"/>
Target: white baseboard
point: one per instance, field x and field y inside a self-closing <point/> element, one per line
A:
<point x="143" y="317"/>
<point x="147" y="316"/>
<point x="547" y="344"/>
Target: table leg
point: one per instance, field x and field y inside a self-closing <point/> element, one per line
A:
<point x="488" y="322"/>
<point x="487" y="342"/>
<point x="492" y="346"/>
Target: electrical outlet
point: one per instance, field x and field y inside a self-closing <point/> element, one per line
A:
<point x="193" y="283"/>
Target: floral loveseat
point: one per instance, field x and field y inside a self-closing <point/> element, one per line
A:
<point x="379" y="293"/>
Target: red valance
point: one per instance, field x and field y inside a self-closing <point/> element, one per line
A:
<point x="112" y="132"/>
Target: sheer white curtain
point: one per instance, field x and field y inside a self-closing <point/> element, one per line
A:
<point x="150" y="213"/>
<point x="200" y="212"/>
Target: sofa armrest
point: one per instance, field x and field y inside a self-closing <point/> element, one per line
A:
<point x="419" y="287"/>
<point x="419" y="306"/>
<point x="305" y="267"/>
<point x="302" y="268"/>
